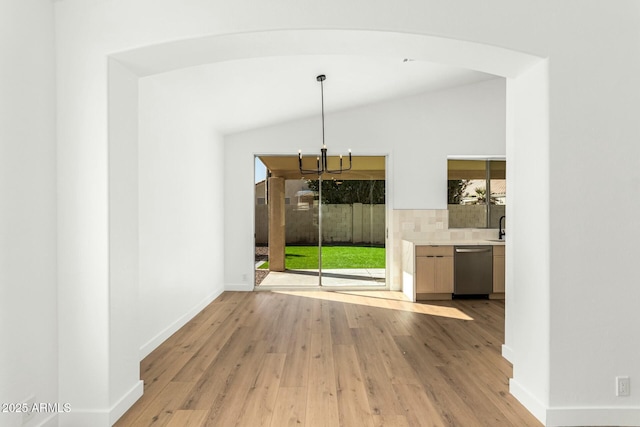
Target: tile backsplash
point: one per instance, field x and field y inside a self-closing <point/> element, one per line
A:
<point x="432" y="224"/>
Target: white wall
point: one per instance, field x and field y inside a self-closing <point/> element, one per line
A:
<point x="594" y="131"/>
<point x="527" y="293"/>
<point x="124" y="361"/>
<point x="417" y="133"/>
<point x="180" y="221"/>
<point x="28" y="301"/>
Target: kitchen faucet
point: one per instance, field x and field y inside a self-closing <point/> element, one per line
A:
<point x="501" y="232"/>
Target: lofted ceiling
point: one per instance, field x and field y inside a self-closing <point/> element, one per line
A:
<point x="240" y="95"/>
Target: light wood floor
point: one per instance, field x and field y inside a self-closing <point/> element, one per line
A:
<point x="331" y="359"/>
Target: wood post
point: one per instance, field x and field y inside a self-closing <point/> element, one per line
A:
<point x="277" y="230"/>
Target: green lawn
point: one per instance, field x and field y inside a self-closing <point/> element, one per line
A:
<point x="306" y="257"/>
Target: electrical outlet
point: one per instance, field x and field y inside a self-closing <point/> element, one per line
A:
<point x="27" y="404"/>
<point x="245" y="278"/>
<point x="623" y="386"/>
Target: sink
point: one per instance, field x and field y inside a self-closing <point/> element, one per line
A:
<point x="496" y="240"/>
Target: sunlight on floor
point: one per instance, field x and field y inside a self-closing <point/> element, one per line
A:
<point x="393" y="301"/>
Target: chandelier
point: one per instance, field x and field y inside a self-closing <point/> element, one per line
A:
<point x="321" y="161"/>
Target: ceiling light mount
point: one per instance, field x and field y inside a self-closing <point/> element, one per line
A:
<point x="321" y="161"/>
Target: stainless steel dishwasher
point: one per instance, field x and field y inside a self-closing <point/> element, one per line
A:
<point x="473" y="270"/>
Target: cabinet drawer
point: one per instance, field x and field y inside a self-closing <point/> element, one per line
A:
<point x="498" y="250"/>
<point x="434" y="250"/>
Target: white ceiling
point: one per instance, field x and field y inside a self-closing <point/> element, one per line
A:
<point x="250" y="93"/>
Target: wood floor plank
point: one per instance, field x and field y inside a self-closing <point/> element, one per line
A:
<point x="379" y="388"/>
<point x="340" y="331"/>
<point x="353" y="315"/>
<point x="228" y="404"/>
<point x="419" y="409"/>
<point x="391" y="421"/>
<point x="289" y="409"/>
<point x="294" y="340"/>
<point x="154" y="384"/>
<point x="391" y="356"/>
<point x="202" y="325"/>
<point x="298" y="358"/>
<point x="353" y="403"/>
<point x="161" y="409"/>
<point x="450" y="405"/>
<point x="183" y="418"/>
<point x="217" y="379"/>
<point x="265" y="321"/>
<point x="259" y="405"/>
<point x="320" y="321"/>
<point x="482" y="380"/>
<point x="467" y="390"/>
<point x="209" y="347"/>
<point x="330" y="359"/>
<point x="322" y="395"/>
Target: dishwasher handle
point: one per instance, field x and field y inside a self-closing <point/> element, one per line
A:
<point x="472" y="250"/>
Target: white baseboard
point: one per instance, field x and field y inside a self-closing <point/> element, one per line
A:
<point x="238" y="287"/>
<point x="100" y="418"/>
<point x="598" y="416"/>
<point x="533" y="405"/>
<point x="507" y="353"/>
<point x="575" y="416"/>
<point x="121" y="406"/>
<point x="154" y="342"/>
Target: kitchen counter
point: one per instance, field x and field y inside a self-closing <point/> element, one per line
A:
<point x="409" y="257"/>
<point x="461" y="242"/>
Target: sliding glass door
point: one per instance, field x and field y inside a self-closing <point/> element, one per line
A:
<point x="331" y="229"/>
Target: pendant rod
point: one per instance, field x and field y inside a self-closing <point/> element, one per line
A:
<point x="321" y="78"/>
<point x="320" y="230"/>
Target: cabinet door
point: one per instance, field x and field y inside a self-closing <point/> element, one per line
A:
<point x="425" y="276"/>
<point x="498" y="273"/>
<point x="443" y="275"/>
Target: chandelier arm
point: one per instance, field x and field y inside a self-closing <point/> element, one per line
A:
<point x="311" y="172"/>
<point x="337" y="171"/>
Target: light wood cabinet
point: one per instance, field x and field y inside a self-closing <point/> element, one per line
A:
<point x="498" y="269"/>
<point x="434" y="271"/>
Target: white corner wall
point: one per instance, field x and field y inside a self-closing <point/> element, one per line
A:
<point x="527" y="293"/>
<point x="181" y="166"/>
<point x="28" y="285"/>
<point x="417" y="133"/>
<point x="125" y="387"/>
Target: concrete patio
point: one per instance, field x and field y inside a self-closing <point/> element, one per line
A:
<point x="357" y="277"/>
